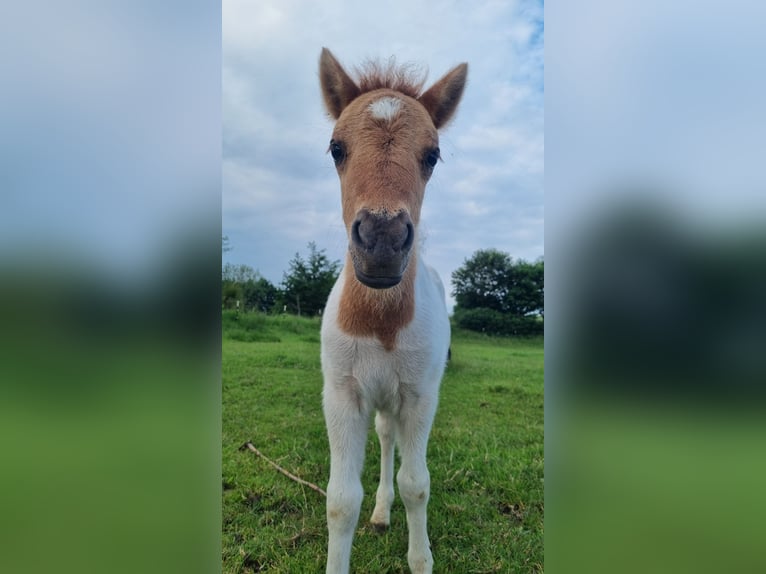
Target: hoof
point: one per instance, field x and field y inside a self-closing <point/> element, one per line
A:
<point x="378" y="528"/>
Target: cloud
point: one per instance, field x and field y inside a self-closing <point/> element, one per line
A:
<point x="280" y="189"/>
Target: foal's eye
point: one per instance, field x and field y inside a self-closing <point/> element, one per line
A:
<point x="432" y="156"/>
<point x="338" y="151"/>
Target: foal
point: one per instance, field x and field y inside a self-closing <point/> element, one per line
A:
<point x="385" y="331"/>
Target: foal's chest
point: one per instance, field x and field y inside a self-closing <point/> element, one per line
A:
<point x="382" y="376"/>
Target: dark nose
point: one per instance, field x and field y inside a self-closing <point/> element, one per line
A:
<point x="383" y="236"/>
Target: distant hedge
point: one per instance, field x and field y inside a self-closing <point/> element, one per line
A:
<point x="496" y="323"/>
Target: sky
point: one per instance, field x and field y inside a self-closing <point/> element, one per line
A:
<point x="280" y="189"/>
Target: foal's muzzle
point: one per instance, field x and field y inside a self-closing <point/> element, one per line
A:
<point x="380" y="247"/>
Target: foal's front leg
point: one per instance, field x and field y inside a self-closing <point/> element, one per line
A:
<point x="414" y="481"/>
<point x="347" y="431"/>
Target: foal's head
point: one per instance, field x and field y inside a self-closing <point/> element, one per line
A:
<point x="385" y="146"/>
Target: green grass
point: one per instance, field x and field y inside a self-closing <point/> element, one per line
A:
<point x="485" y="457"/>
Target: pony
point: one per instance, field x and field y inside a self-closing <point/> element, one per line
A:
<point x="385" y="331"/>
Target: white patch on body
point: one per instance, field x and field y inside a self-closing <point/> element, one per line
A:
<point x="385" y="108"/>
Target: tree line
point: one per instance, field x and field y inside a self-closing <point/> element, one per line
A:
<point x="494" y="293"/>
<point x="304" y="288"/>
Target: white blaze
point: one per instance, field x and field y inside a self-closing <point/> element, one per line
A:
<point x="385" y="108"/>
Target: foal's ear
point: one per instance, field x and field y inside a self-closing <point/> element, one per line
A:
<point x="338" y="88"/>
<point x="442" y="98"/>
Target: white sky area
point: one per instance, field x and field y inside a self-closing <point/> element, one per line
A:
<point x="280" y="188"/>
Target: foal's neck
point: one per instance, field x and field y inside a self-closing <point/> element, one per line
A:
<point x="381" y="313"/>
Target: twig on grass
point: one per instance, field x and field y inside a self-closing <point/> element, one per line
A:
<point x="248" y="445"/>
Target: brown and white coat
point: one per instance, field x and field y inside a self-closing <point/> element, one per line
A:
<point x="385" y="330"/>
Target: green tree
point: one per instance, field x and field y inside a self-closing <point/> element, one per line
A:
<point x="239" y="273"/>
<point x="244" y="284"/>
<point x="482" y="281"/>
<point x="307" y="283"/>
<point x="259" y="295"/>
<point x="231" y="292"/>
<point x="526" y="293"/>
<point x="497" y="295"/>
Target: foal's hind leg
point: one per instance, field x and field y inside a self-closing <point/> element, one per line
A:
<point x="381" y="516"/>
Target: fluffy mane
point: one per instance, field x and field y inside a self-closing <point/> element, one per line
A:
<point x="407" y="78"/>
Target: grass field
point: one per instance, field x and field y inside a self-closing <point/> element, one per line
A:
<point x="485" y="457"/>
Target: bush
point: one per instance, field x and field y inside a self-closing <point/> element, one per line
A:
<point x="494" y="322"/>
